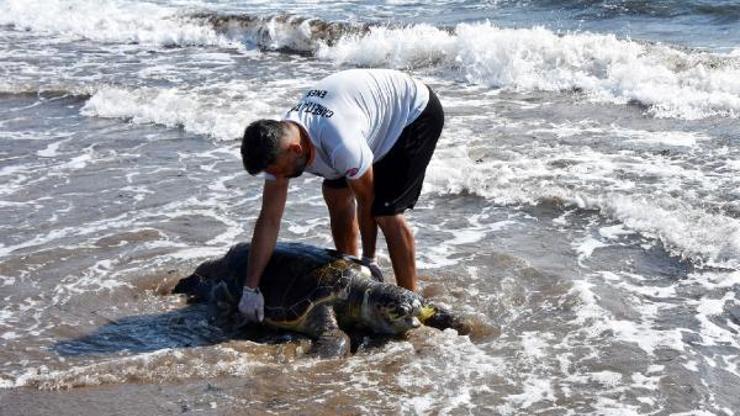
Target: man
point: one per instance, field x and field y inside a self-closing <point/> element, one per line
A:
<point x="370" y="133"/>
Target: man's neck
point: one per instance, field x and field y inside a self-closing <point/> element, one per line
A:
<point x="306" y="143"/>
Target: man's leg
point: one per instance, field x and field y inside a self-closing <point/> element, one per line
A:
<point x="343" y="218"/>
<point x="401" y="247"/>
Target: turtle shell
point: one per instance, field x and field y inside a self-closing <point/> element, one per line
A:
<point x="298" y="277"/>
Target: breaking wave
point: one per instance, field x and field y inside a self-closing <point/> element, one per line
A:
<point x="287" y="33"/>
<point x="690" y="227"/>
<point x="667" y="81"/>
<point x="108" y="21"/>
<point x="172" y="107"/>
<point x="664" y="80"/>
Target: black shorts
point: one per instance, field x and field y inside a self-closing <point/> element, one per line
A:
<point x="398" y="176"/>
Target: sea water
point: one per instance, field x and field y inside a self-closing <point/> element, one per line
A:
<point x="582" y="207"/>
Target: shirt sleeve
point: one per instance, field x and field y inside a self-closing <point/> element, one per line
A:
<point x="350" y="157"/>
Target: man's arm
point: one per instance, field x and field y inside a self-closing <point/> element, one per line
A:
<point x="264" y="237"/>
<point x="363" y="188"/>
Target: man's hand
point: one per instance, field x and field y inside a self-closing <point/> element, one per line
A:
<point x="375" y="271"/>
<point x="252" y="305"/>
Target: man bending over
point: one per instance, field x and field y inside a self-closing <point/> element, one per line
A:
<point x="370" y="133"/>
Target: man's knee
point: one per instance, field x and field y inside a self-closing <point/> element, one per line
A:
<point x="338" y="197"/>
<point x="390" y="221"/>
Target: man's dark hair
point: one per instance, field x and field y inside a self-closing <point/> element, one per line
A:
<point x="261" y="144"/>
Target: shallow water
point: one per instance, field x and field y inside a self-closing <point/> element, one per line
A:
<point x="582" y="207"/>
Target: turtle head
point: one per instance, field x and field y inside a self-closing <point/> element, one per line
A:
<point x="389" y="309"/>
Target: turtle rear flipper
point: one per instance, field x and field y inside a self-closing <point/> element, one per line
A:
<point x="440" y="318"/>
<point x="330" y="341"/>
<point x="331" y="344"/>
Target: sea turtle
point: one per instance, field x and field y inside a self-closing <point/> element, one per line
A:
<point x="316" y="292"/>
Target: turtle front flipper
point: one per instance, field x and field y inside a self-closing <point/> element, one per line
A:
<point x="437" y="317"/>
<point x="330" y="341"/>
<point x="223" y="303"/>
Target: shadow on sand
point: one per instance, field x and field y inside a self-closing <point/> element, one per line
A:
<point x="191" y="326"/>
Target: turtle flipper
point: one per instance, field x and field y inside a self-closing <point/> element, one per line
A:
<point x="331" y="344"/>
<point x="330" y="341"/>
<point x="438" y="317"/>
<point x="223" y="303"/>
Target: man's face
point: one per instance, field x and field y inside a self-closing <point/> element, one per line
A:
<point x="299" y="165"/>
<point x="290" y="163"/>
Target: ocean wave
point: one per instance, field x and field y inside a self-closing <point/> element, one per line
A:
<point x="207" y="114"/>
<point x="110" y="21"/>
<point x="45" y="92"/>
<point x="46" y="89"/>
<point x="666" y="81"/>
<point x="705" y="239"/>
<point x="690" y="226"/>
<point x="286" y="33"/>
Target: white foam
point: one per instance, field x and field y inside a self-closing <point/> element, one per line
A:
<point x="165" y="364"/>
<point x="642" y="287"/>
<point x="414" y="46"/>
<point x="197" y="113"/>
<point x="278" y="33"/>
<point x="110" y="21"/>
<point x="607" y="406"/>
<point x="671" y="82"/>
<point x="614" y="232"/>
<point x="594" y="320"/>
<point x="645" y="192"/>
<point x="628" y="135"/>
<point x="535" y="390"/>
<point x="691" y="366"/>
<point x="443" y="253"/>
<point x="712" y="280"/>
<point x="655" y="368"/>
<point x="694" y="232"/>
<point x="534" y="344"/>
<point x="93" y="230"/>
<point x="450" y="384"/>
<point x="6" y="281"/>
<point x="585" y="248"/>
<point x="646" y="337"/>
<point x="648" y="306"/>
<point x="5" y="315"/>
<point x="667" y="138"/>
<point x="711" y="332"/>
<point x="9" y="335"/>
<point x="52" y="149"/>
<point x="606" y="378"/>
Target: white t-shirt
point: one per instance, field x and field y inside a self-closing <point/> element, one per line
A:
<point x="354" y="117"/>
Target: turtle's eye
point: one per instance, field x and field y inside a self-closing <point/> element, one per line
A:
<point x="401" y="311"/>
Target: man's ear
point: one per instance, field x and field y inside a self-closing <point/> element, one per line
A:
<point x="295" y="148"/>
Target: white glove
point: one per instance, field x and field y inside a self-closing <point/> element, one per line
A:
<point x="252" y="305"/>
<point x="375" y="271"/>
